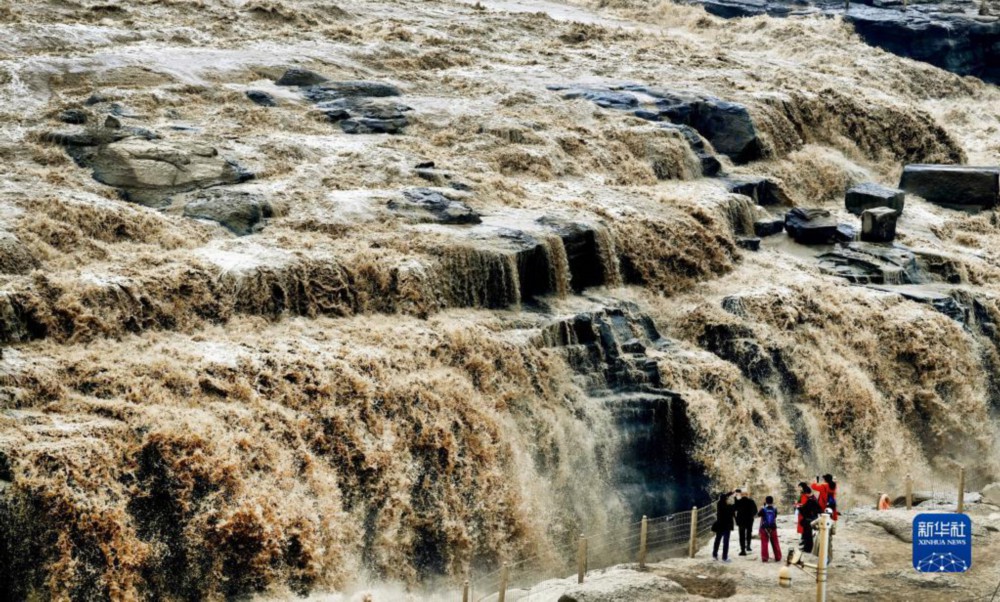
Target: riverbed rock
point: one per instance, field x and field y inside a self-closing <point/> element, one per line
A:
<point x="710" y="164"/>
<point x="14" y="255"/>
<point x="951" y="37"/>
<point x="768" y="226"/>
<point x="748" y="243"/>
<point x="261" y="98"/>
<point x="368" y="125"/>
<point x="149" y="172"/>
<point x="810" y="226"/>
<point x="240" y="212"/>
<point x="870" y="195"/>
<point x="424" y="205"/>
<point x="351" y="89"/>
<point x="582" y="245"/>
<point x="728" y="126"/>
<point x="762" y="190"/>
<point x="954" y="186"/>
<point x="878" y="224"/>
<point x="868" y="263"/>
<point x="73" y="116"/>
<point x="608" y="99"/>
<point x="297" y="76"/>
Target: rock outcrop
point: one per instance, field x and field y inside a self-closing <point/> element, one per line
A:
<point x="423" y="205"/>
<point x="950" y="35"/>
<point x="867" y="263"/>
<point x="878" y="224"/>
<point x="240" y="212"/>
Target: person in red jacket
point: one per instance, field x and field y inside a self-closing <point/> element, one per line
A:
<point x="804" y="493"/>
<point x="827" y="491"/>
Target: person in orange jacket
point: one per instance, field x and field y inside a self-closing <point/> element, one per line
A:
<point x="827" y="491"/>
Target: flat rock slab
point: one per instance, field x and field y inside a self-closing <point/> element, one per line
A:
<point x="604" y="98"/>
<point x="867" y="263"/>
<point x="810" y="226"/>
<point x="954" y="186"/>
<point x="870" y="195"/>
<point x="941" y="302"/>
<point x="240" y="212"/>
<point x="148" y="172"/>
<point x="768" y="226"/>
<point x="423" y="205"/>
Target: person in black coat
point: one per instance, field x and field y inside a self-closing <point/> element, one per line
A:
<point x="724" y="521"/>
<point x="746" y="511"/>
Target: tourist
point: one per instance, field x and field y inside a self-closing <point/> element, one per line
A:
<point x="808" y="512"/>
<point x="827" y="490"/>
<point x="883" y="502"/>
<point x="746" y="512"/>
<point x="768" y="531"/>
<point x="723" y="525"/>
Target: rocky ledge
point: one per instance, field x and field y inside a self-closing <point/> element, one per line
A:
<point x="951" y="35"/>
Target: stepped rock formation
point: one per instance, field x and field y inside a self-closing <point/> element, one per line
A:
<point x="297" y="298"/>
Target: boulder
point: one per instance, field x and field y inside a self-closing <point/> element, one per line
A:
<point x="300" y="77"/>
<point x="845" y="233"/>
<point x="365" y="125"/>
<point x="878" y="224"/>
<point x="148" y="172"/>
<point x="728" y="126"/>
<point x="991" y="494"/>
<point x="870" y="195"/>
<point x="73" y="116"/>
<point x="763" y="191"/>
<point x="261" y="98"/>
<point x="768" y="226"/>
<point x="748" y="243"/>
<point x="239" y="211"/>
<point x="810" y="226"/>
<point x="366" y="116"/>
<point x="423" y="205"/>
<point x="954" y="186"/>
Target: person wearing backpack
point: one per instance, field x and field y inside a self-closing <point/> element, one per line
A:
<point x="768" y="531"/>
<point x="809" y="511"/>
<point x="827" y="491"/>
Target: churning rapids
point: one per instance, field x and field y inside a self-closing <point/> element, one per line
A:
<point x="296" y="296"/>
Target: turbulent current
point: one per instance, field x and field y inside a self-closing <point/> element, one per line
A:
<point x="297" y="297"/>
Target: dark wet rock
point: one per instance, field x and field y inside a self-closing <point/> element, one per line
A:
<point x="710" y="165"/>
<point x="870" y="195"/>
<point x="845" y="233"/>
<point x="869" y="263"/>
<point x="728" y="126"/>
<point x="878" y="224"/>
<point x="425" y="165"/>
<point x="763" y="191"/>
<point x="604" y="98"/>
<point x="430" y="206"/>
<point x="750" y="244"/>
<point x="350" y="89"/>
<point x="95" y="99"/>
<point x="112" y="123"/>
<point x="583" y="252"/>
<point x="240" y="212"/>
<point x="261" y="98"/>
<point x="608" y="350"/>
<point x="810" y="226"/>
<point x="954" y="186"/>
<point x="768" y="226"/>
<point x="950" y="36"/>
<point x="149" y="172"/>
<point x="364" y="125"/>
<point x="300" y="77"/>
<point x="74" y="116"/>
<point x="941" y="302"/>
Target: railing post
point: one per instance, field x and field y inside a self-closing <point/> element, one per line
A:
<point x="581" y="559"/>
<point x="909" y="492"/>
<point x="961" y="489"/>
<point x="465" y="591"/>
<point x="643" y="530"/>
<point x="693" y="539"/>
<point x="824" y="546"/>
<point x="504" y="576"/>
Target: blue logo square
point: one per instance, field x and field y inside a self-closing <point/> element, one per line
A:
<point x="942" y="543"/>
